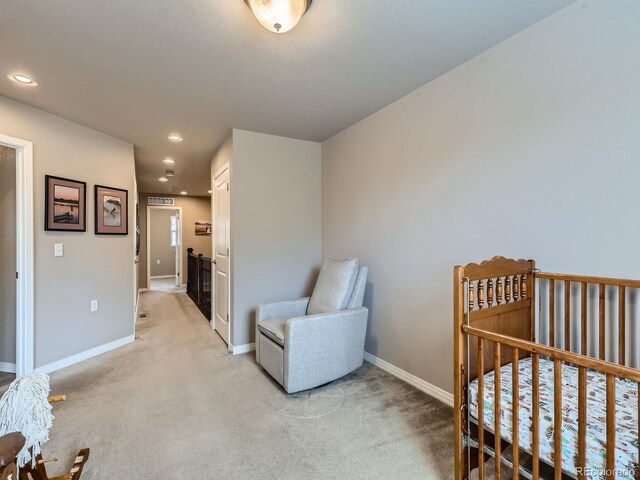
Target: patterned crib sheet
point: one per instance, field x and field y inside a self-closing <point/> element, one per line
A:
<point x="626" y="463"/>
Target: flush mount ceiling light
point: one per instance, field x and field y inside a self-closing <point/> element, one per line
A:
<point x="22" y="79"/>
<point x="168" y="161"/>
<point x="169" y="173"/>
<point x="183" y="193"/>
<point x="175" y="137"/>
<point x="163" y="179"/>
<point x="278" y="16"/>
<point x="209" y="192"/>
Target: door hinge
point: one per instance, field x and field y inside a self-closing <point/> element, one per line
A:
<point x="227" y="318"/>
<point x="227" y="187"/>
<point x="227" y="251"/>
<point x="16" y="274"/>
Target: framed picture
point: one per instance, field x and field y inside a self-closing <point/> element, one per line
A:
<point x="203" y="227"/>
<point x="112" y="205"/>
<point x="65" y="204"/>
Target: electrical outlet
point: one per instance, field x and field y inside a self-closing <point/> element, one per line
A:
<point x="94" y="306"/>
<point x="58" y="250"/>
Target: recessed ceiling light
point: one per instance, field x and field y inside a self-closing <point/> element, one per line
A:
<point x="22" y="79"/>
<point x="169" y="161"/>
<point x="169" y="173"/>
<point x="163" y="179"/>
<point x="183" y="193"/>
<point x="175" y="138"/>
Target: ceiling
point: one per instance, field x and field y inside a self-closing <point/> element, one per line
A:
<point x="139" y="70"/>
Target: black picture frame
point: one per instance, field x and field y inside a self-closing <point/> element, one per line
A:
<point x="100" y="191"/>
<point x="63" y="222"/>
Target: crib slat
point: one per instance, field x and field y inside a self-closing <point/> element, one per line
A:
<point x="622" y="325"/>
<point x="480" y="408"/>
<point x="515" y="402"/>
<point x="602" y="333"/>
<point x="535" y="416"/>
<point x="567" y="315"/>
<point x="583" y="314"/>
<point x="497" y="444"/>
<point x="611" y="423"/>
<point x="557" y="419"/>
<point x="582" y="419"/>
<point x="480" y="294"/>
<point x="552" y="313"/>
<point x="499" y="291"/>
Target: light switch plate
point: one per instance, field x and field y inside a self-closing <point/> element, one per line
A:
<point x="58" y="251"/>
<point x="94" y="305"/>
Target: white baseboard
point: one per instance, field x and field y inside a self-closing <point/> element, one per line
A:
<point x="87" y="354"/>
<point x="412" y="380"/>
<point x="142" y="290"/>
<point x="249" y="347"/>
<point x="158" y="277"/>
<point x="7" y="367"/>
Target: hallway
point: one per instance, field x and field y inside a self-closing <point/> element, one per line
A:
<point x="175" y="405"/>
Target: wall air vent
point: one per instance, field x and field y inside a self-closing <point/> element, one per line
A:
<point x="161" y="201"/>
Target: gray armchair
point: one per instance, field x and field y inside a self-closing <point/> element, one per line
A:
<point x="308" y="342"/>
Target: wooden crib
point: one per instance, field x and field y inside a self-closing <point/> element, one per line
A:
<point x="564" y="396"/>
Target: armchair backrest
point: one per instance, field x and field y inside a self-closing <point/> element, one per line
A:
<point x="357" y="296"/>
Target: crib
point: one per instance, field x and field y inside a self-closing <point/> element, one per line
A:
<point x="559" y="348"/>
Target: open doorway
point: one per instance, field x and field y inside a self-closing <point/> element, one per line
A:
<point x="8" y="287"/>
<point x="164" y="248"/>
<point x="16" y="267"/>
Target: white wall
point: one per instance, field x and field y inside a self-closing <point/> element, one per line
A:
<point x="275" y="223"/>
<point x="528" y="150"/>
<point x="93" y="267"/>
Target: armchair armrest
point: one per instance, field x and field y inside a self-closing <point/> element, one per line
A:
<point x="288" y="309"/>
<point x="320" y="348"/>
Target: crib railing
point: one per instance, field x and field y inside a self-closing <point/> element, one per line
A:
<point x="495" y="305"/>
<point x="584" y="363"/>
<point x="584" y="281"/>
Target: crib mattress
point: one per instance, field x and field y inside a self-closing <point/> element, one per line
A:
<point x="626" y="416"/>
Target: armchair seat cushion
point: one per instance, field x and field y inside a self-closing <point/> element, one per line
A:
<point x="274" y="329"/>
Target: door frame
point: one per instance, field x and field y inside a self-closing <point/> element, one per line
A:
<point x="225" y="167"/>
<point x="161" y="207"/>
<point x="25" y="287"/>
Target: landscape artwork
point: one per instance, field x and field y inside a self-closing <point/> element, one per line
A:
<point x="111" y="211"/>
<point x="65" y="203"/>
<point x="203" y="227"/>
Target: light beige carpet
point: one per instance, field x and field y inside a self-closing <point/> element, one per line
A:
<point x="175" y="405"/>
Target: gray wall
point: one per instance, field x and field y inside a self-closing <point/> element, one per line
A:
<point x="275" y="223"/>
<point x="528" y="150"/>
<point x="193" y="208"/>
<point x="160" y="243"/>
<point x="93" y="267"/>
<point x="7" y="255"/>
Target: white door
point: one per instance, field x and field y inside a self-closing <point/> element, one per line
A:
<point x="176" y="242"/>
<point x="221" y="253"/>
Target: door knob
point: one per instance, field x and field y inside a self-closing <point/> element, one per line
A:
<point x="214" y="262"/>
